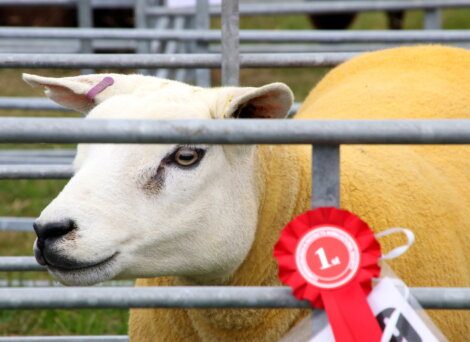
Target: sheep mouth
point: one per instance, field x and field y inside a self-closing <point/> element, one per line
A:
<point x="81" y="267"/>
<point x="86" y="275"/>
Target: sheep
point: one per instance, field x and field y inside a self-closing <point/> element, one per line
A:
<point x="200" y="215"/>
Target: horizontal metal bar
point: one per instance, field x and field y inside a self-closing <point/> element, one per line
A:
<point x="52" y="283"/>
<point x="193" y="297"/>
<point x="16" y="224"/>
<point x="32" y="161"/>
<point x="26" y="283"/>
<point x="321" y="7"/>
<point x="112" y="4"/>
<point x="36" y="153"/>
<point x="240" y="131"/>
<point x="29" y="103"/>
<point x="260" y="60"/>
<point x="31" y="45"/>
<point x="84" y="338"/>
<point x="456" y="298"/>
<point x="264" y="8"/>
<point x="39" y="103"/>
<point x="291" y="36"/>
<point x="32" y="157"/>
<point x="36" y="171"/>
<point x="19" y="264"/>
<point x="319" y="47"/>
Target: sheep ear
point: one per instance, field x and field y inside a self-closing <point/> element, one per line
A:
<point x="80" y="93"/>
<point x="271" y="101"/>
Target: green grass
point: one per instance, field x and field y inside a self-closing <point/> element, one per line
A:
<point x="63" y="322"/>
<point x="28" y="197"/>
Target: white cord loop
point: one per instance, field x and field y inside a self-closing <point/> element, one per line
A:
<point x="400" y="250"/>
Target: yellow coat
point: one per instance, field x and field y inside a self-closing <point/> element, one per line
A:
<point x="424" y="188"/>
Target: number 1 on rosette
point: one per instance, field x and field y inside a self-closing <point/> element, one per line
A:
<point x="329" y="256"/>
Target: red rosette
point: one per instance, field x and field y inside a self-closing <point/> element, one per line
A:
<point x="329" y="256"/>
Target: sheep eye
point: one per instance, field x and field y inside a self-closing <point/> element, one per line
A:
<point x="185" y="156"/>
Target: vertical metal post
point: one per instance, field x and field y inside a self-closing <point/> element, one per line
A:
<point x="181" y="74"/>
<point x="202" y="22"/>
<point x="325" y="176"/>
<point x="230" y="43"/>
<point x="140" y="21"/>
<point x="172" y="47"/>
<point x="433" y="19"/>
<point x="85" y="19"/>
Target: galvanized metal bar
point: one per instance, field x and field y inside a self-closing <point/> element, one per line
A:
<point x="193" y="297"/>
<point x="45" y="153"/>
<point x="140" y="17"/>
<point x="16" y="224"/>
<point x="85" y="20"/>
<point x="171" y="47"/>
<point x="294" y="109"/>
<point x="240" y="131"/>
<point x="327" y="7"/>
<point x="35" y="171"/>
<point x="230" y="43"/>
<point x="189" y="46"/>
<point x="70" y="3"/>
<point x="432" y="19"/>
<point x="177" y="47"/>
<point x="140" y="22"/>
<point x="182" y="74"/>
<point x="158" y="46"/>
<point x="33" y="103"/>
<point x="29" y="103"/>
<point x="32" y="161"/>
<point x="72" y="61"/>
<point x="259" y="9"/>
<point x="325" y="176"/>
<point x="202" y="22"/>
<point x="26" y="283"/>
<point x="19" y="264"/>
<point x="38" y="2"/>
<point x="245" y="36"/>
<point x="81" y="338"/>
<point x="31" y="158"/>
<point x="21" y="282"/>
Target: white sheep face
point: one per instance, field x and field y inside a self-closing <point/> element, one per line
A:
<point x="155" y="210"/>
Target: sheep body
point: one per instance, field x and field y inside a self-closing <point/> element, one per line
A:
<point x="424" y="188"/>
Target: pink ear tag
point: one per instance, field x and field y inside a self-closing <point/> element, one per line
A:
<point x="102" y="85"/>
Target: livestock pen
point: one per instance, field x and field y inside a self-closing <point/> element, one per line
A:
<point x="325" y="136"/>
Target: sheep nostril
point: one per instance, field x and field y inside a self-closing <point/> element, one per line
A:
<point x="53" y="230"/>
<point x="40" y="243"/>
<point x="38" y="253"/>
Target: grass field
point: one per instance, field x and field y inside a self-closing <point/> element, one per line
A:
<point x="27" y="198"/>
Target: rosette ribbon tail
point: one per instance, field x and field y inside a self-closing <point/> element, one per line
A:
<point x="349" y="314"/>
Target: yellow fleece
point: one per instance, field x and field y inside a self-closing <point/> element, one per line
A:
<point x="424" y="188"/>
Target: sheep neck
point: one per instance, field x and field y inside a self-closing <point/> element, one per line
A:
<point x="284" y="188"/>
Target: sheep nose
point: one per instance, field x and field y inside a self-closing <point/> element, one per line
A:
<point x="53" y="229"/>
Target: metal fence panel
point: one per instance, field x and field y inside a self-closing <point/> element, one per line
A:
<point x="326" y="7"/>
<point x="35" y="171"/>
<point x="17" y="224"/>
<point x="95" y="3"/>
<point x="260" y="60"/>
<point x="245" y="36"/>
<point x="239" y="131"/>
<point x="19" y="264"/>
<point x="194" y="297"/>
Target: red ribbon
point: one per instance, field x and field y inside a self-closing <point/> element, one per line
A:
<point x="329" y="256"/>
